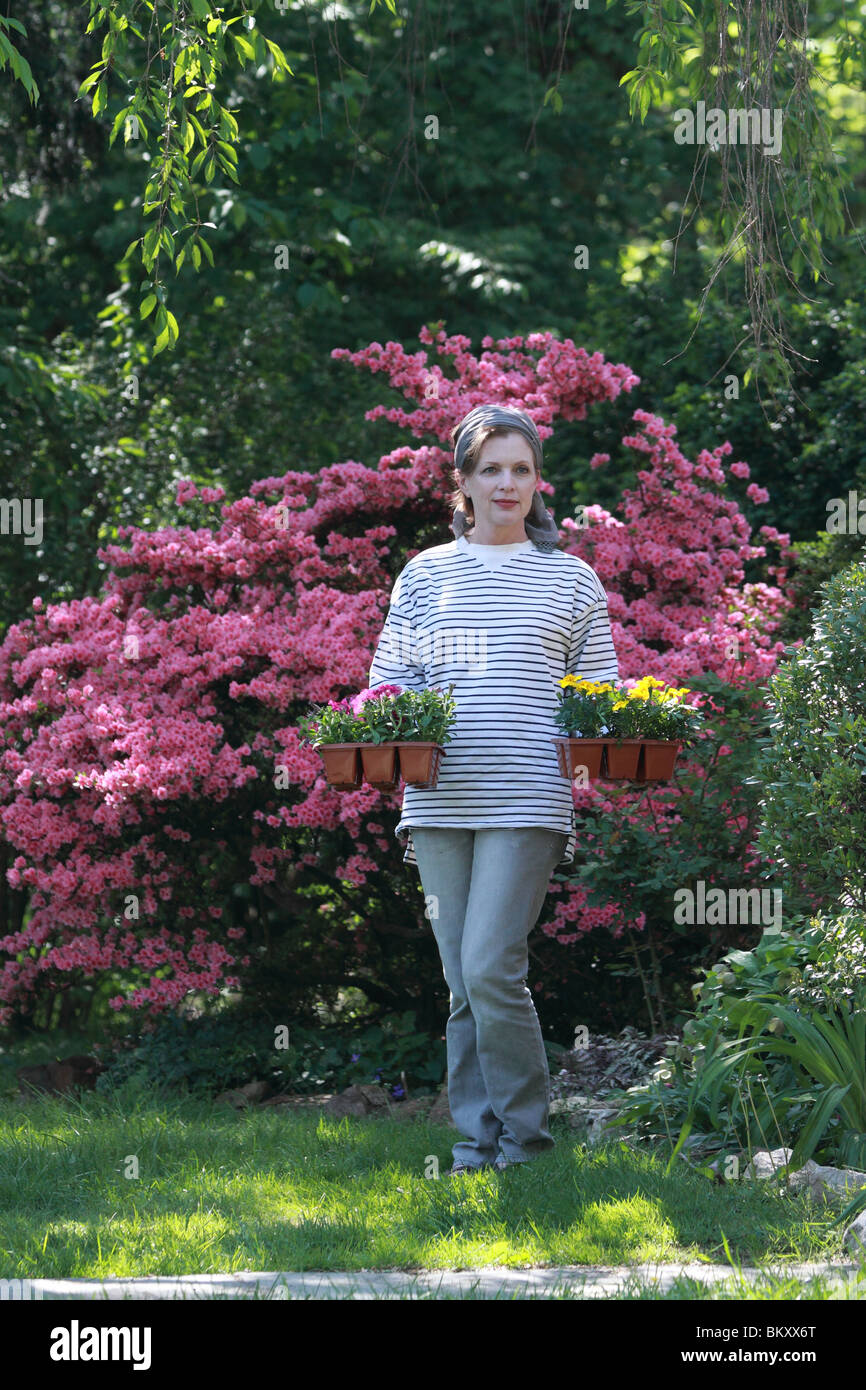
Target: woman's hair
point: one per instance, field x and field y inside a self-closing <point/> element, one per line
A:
<point x="468" y="438"/>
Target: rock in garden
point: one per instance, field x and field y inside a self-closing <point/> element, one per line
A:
<point x="599" y="1125"/>
<point x="766" y="1162"/>
<point x="61" y="1077"/>
<point x="255" y="1091"/>
<point x="820" y="1181"/>
<point x="356" y="1100"/>
<point x="242" y="1096"/>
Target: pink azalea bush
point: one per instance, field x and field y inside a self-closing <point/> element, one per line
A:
<point x="150" y="758"/>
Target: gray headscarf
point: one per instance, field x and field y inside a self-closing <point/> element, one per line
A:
<point x="540" y="526"/>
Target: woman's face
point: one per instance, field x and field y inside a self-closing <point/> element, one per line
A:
<point x="505" y="472"/>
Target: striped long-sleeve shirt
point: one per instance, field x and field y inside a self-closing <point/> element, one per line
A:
<point x="504" y="636"/>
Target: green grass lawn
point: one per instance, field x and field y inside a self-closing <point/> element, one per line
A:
<point x="267" y="1189"/>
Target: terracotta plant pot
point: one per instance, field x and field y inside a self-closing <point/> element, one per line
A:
<point x="419" y="763"/>
<point x="623" y="756"/>
<point x="342" y="765"/>
<point x="659" y="756"/>
<point x="379" y="761"/>
<point x="575" y="753"/>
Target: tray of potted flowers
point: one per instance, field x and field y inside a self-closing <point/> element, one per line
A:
<point x="581" y="714"/>
<point x="644" y="727"/>
<point x="381" y="735"/>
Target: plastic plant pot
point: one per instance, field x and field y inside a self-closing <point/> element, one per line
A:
<point x="623" y="756"/>
<point x="379" y="761"/>
<point x="574" y="753"/>
<point x="659" y="757"/>
<point x="342" y="765"/>
<point x="419" y="763"/>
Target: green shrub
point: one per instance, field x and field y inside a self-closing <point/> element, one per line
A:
<point x="216" y="1052"/>
<point x="812" y="765"/>
<point x="775" y="1053"/>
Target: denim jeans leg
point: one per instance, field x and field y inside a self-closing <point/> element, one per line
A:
<point x="510" y="876"/>
<point x="444" y="856"/>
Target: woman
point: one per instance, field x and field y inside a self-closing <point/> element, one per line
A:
<point x="503" y="615"/>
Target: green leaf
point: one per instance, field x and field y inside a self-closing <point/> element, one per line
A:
<point x="279" y="56"/>
<point x="227" y="124"/>
<point x="244" y="47"/>
<point x="151" y="242"/>
<point x="147" y="306"/>
<point x="553" y="96"/>
<point x="88" y="82"/>
<point x="116" y="124"/>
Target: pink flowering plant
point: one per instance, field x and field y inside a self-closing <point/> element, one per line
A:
<point x="385" y="714"/>
<point x="165" y="825"/>
<point x="335" y="722"/>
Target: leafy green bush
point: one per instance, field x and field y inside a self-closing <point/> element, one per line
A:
<point x="776" y="1051"/>
<point x="812" y="765"/>
<point x="215" y="1052"/>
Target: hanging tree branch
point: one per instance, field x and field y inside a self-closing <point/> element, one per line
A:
<point x="754" y="59"/>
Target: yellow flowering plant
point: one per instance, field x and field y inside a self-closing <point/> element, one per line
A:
<point x="653" y="710"/>
<point x="584" y="707"/>
<point x="649" y="710"/>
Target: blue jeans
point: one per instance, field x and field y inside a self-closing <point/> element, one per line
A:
<point x="485" y="889"/>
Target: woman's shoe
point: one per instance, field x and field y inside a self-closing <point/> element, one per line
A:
<point x="459" y="1168"/>
<point x="500" y="1163"/>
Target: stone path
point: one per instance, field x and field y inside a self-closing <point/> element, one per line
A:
<point x="492" y="1281"/>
